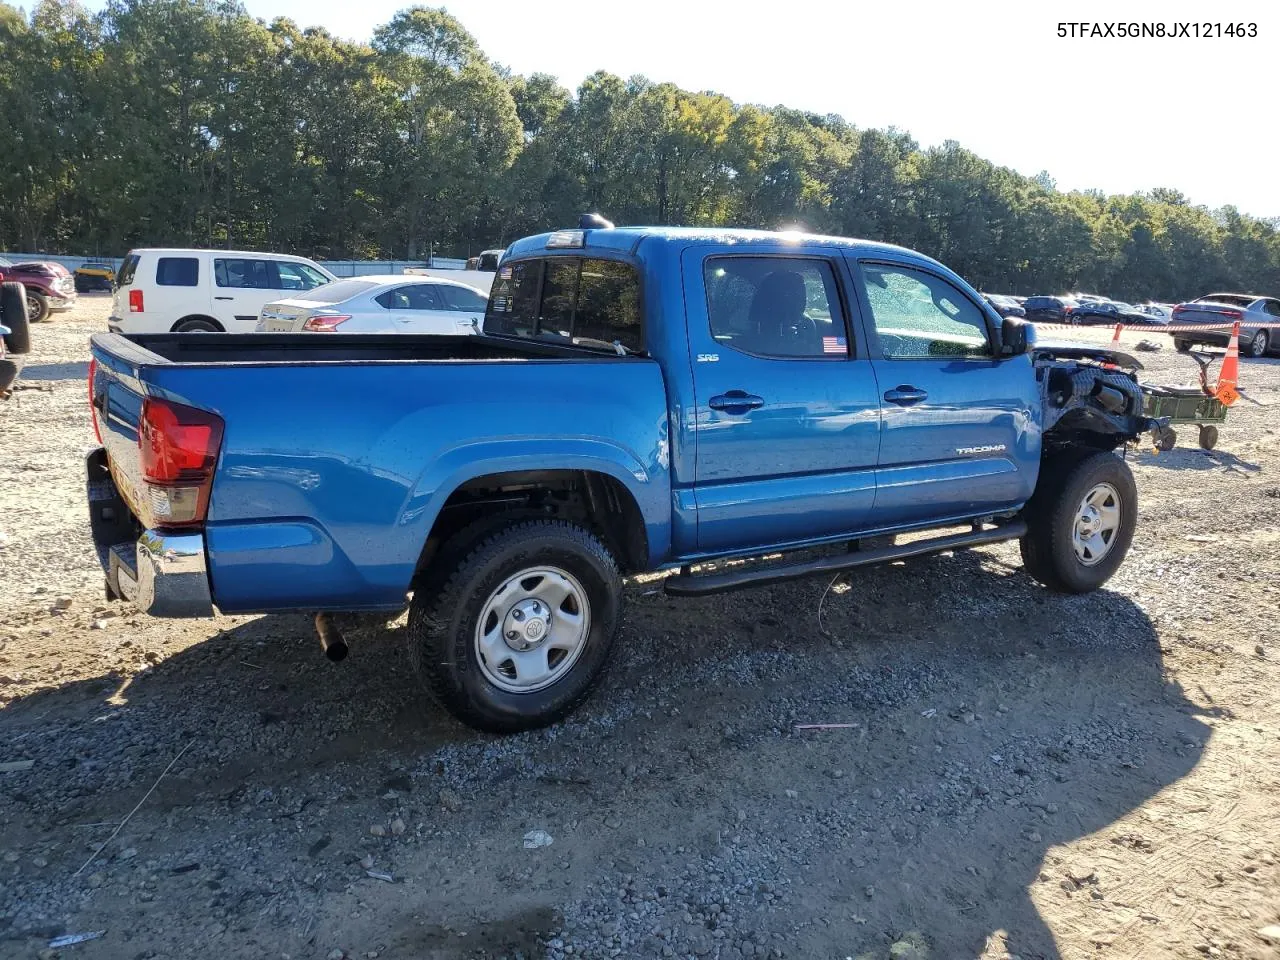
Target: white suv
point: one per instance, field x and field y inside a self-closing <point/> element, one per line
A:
<point x="162" y="291"/>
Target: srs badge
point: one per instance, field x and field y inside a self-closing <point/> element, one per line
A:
<point x="990" y="448"/>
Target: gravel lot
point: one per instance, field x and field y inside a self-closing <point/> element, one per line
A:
<point x="1023" y="774"/>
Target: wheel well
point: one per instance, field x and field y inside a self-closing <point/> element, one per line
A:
<point x="596" y="500"/>
<point x="197" y="316"/>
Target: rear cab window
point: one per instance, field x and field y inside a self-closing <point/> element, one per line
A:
<point x="587" y="301"/>
<point x="177" y="272"/>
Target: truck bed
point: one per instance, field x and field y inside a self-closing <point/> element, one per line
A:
<point x="338" y="451"/>
<point x="223" y="348"/>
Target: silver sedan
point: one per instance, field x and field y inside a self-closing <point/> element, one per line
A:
<point x="1221" y="310"/>
<point x="379" y="304"/>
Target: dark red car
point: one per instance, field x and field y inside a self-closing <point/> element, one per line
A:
<point x="50" y="286"/>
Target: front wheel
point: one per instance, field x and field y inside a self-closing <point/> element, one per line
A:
<point x="37" y="307"/>
<point x="1182" y="346"/>
<point x="515" y="628"/>
<point x="1080" y="522"/>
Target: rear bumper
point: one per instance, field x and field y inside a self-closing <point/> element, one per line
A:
<point x="161" y="572"/>
<point x="1213" y="336"/>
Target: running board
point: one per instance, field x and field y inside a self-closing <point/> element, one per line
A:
<point x="689" y="585"/>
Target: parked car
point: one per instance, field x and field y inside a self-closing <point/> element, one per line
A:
<point x="1042" y="309"/>
<point x="1112" y="312"/>
<point x="379" y="304"/>
<point x="486" y="262"/>
<point x="641" y="399"/>
<point x="207" y="291"/>
<point x="94" y="275"/>
<point x="50" y="288"/>
<point x="1162" y="311"/>
<point x="1005" y="306"/>
<point x="1218" y="311"/>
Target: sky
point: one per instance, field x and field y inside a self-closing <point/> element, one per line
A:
<point x="1199" y="115"/>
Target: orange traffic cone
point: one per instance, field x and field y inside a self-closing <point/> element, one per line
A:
<point x="1229" y="375"/>
<point x="1116" y="337"/>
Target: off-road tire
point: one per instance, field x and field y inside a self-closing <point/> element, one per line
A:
<point x="1257" y="345"/>
<point x="1047" y="551"/>
<point x="37" y="307"/>
<point x="445" y="608"/>
<point x="13" y="314"/>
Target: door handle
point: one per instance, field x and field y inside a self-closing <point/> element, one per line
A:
<point x="905" y="395"/>
<point x="224" y="298"/>
<point x="735" y="401"/>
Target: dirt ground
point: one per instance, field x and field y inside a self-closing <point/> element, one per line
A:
<point x="1023" y="774"/>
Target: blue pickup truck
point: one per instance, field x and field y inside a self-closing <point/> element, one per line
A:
<point x="640" y="399"/>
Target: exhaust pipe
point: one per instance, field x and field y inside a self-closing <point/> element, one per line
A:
<point x="332" y="642"/>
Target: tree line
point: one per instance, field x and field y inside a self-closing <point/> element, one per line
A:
<point x="188" y="122"/>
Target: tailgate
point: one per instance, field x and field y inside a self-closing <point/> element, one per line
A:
<point x="116" y="394"/>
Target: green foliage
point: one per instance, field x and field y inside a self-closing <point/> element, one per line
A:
<point x="190" y="122"/>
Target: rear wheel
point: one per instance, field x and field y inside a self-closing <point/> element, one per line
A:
<point x="1167" y="440"/>
<point x="1182" y="346"/>
<point x="13" y="314"/>
<point x="37" y="307"/>
<point x="1256" y="346"/>
<point x="1208" y="437"/>
<point x="1080" y="522"/>
<point x="516" y="626"/>
<point x="196" y="325"/>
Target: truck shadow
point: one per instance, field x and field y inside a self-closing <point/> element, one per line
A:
<point x="992" y="724"/>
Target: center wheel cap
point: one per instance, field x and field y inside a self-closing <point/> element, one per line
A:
<point x="527" y="625"/>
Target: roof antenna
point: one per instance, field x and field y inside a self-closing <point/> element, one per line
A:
<point x="593" y="221"/>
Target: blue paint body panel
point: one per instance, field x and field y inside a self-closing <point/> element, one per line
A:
<point x="331" y="474"/>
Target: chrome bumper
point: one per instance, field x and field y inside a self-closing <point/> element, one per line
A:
<point x="168" y="578"/>
<point x="161" y="572"/>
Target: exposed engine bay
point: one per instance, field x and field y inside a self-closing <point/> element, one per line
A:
<point x="1090" y="396"/>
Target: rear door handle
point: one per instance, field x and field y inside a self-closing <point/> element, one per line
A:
<point x="905" y="395"/>
<point x="224" y="298"/>
<point x="735" y="401"/>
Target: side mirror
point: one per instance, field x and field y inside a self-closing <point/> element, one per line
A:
<point x="1017" y="337"/>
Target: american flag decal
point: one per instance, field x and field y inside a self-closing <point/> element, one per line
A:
<point x="833" y="345"/>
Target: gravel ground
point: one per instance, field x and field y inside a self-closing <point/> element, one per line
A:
<point x="1022" y="774"/>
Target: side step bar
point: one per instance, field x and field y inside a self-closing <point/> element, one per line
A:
<point x="690" y="585"/>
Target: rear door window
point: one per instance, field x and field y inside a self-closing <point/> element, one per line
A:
<point x="176" y="272"/>
<point x="127" y="270"/>
<point x="586" y="300"/>
<point x="462" y="299"/>
<point x="244" y="274"/>
<point x="416" y="296"/>
<point x="778" y="307"/>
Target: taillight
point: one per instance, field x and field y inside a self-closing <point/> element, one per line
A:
<point x="135" y="301"/>
<point x="327" y="323"/>
<point x="1232" y="314"/>
<point x="179" y="448"/>
<point x="93" y="409"/>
